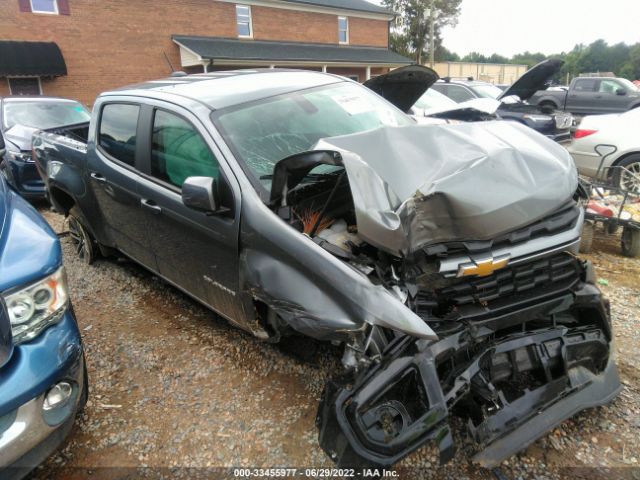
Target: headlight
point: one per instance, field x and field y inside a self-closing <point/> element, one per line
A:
<point x="37" y="306"/>
<point x="19" y="156"/>
<point x="538" y="118"/>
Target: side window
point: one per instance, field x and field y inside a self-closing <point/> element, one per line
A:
<point x="178" y="151"/>
<point x="609" y="86"/>
<point x="459" y="94"/>
<point x="117" y="134"/>
<point x="585" y="85"/>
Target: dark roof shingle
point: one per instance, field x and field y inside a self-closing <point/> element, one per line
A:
<point x="357" y="5"/>
<point x="217" y="48"/>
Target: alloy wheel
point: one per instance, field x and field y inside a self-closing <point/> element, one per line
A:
<point x="80" y="239"/>
<point x="630" y="177"/>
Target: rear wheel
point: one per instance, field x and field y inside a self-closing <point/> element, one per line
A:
<point x="630" y="242"/>
<point x="628" y="177"/>
<point x="83" y="243"/>
<point x="586" y="238"/>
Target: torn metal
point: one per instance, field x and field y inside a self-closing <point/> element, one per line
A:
<point x="417" y="186"/>
<point x="445" y="263"/>
<point x="511" y="376"/>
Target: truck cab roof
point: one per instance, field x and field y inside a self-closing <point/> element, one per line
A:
<point x="223" y="89"/>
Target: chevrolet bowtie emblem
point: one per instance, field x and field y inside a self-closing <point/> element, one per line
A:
<point x="483" y="268"/>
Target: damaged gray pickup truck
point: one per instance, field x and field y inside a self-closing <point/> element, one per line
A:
<point x="442" y="257"/>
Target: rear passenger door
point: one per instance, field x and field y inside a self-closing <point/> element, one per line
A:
<point x="196" y="251"/>
<point x="113" y="178"/>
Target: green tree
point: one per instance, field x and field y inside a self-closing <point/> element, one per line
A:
<point x="443" y="54"/>
<point x="631" y="68"/>
<point x="413" y="22"/>
<point x="528" y="58"/>
<point x="475" y="57"/>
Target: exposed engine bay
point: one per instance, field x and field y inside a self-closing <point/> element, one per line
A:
<point x="522" y="332"/>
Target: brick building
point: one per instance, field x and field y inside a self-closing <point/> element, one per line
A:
<point x="78" y="48"/>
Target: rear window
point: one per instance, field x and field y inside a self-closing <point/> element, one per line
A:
<point x="117" y="135"/>
<point x="585" y="85"/>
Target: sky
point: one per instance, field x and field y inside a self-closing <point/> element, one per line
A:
<point x="508" y="27"/>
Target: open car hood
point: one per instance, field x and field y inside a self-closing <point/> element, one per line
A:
<point x="533" y="80"/>
<point x="421" y="185"/>
<point x="403" y="86"/>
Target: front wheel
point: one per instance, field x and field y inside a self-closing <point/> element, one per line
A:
<point x="586" y="238"/>
<point x="82" y="241"/>
<point x="630" y="242"/>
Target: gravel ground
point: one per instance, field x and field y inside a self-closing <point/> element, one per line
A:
<point x="177" y="392"/>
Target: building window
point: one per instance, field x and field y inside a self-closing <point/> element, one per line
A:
<point x="24" y="86"/>
<point x="243" y="19"/>
<point x="343" y="30"/>
<point x="44" y="6"/>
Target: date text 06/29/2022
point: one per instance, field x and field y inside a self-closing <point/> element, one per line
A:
<point x="315" y="472"/>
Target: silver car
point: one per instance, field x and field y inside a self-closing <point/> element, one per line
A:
<point x="616" y="130"/>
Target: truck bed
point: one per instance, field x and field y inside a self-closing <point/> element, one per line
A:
<point x="66" y="145"/>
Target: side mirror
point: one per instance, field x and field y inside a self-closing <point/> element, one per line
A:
<point x="200" y="193"/>
<point x="621" y="92"/>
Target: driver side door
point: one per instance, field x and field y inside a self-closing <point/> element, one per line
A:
<point x="196" y="251"/>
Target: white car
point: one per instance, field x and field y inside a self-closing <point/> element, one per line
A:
<point x="617" y="130"/>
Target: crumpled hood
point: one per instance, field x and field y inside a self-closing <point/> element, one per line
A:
<point x="422" y="185"/>
<point x="21" y="136"/>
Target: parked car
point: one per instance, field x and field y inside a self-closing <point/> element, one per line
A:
<point x="618" y="130"/>
<point x="591" y="96"/>
<point x="43" y="379"/>
<point x="19" y="118"/>
<point x="410" y="89"/>
<point x="295" y="202"/>
<point x="514" y="100"/>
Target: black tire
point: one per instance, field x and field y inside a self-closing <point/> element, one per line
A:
<point x="622" y="179"/>
<point x="548" y="107"/>
<point x="630" y="242"/>
<point x="83" y="243"/>
<point x="586" y="238"/>
<point x="612" y="227"/>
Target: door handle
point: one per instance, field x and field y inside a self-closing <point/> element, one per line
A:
<point x="98" y="177"/>
<point x="150" y="205"/>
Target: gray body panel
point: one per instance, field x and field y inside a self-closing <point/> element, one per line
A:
<point x="422" y="185"/>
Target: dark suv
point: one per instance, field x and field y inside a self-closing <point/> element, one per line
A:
<point x="554" y="124"/>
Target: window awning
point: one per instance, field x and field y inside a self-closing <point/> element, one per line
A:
<point x="225" y="51"/>
<point x="31" y="59"/>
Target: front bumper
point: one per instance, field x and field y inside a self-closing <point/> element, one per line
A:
<point x="24" y="178"/>
<point x="509" y="388"/>
<point x="28" y="433"/>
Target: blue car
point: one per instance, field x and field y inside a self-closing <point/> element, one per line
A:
<point x="19" y="118"/>
<point x="43" y="379"/>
